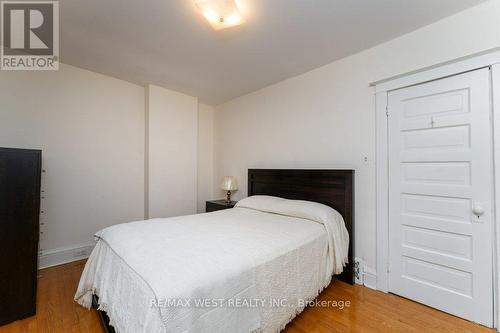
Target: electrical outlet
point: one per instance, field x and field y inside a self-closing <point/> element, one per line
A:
<point x="365" y="159"/>
<point x="358" y="270"/>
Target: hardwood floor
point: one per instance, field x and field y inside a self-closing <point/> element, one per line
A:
<point x="370" y="311"/>
<point x="56" y="310"/>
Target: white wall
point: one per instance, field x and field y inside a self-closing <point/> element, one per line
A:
<point x="112" y="151"/>
<point x="205" y="155"/>
<point x="96" y="150"/>
<point x="173" y="139"/>
<point x="326" y="119"/>
<point x="91" y="130"/>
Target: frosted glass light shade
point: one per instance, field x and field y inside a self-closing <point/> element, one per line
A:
<point x="229" y="183"/>
<point x="221" y="14"/>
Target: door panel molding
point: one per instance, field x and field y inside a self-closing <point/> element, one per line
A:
<point x="429" y="260"/>
<point x="487" y="59"/>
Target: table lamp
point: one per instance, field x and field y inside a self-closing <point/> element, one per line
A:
<point x="229" y="184"/>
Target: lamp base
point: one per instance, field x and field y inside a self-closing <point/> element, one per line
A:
<point x="228" y="197"/>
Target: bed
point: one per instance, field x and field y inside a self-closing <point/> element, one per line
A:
<point x="252" y="268"/>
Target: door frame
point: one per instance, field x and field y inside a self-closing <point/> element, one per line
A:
<point x="382" y="88"/>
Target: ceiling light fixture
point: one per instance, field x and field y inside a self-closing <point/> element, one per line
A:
<point x="221" y="14"/>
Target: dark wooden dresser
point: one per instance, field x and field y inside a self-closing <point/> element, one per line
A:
<point x="20" y="175"/>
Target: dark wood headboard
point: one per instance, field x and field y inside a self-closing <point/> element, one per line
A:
<point x="334" y="188"/>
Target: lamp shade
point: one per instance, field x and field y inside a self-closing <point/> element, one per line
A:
<point x="229" y="183"/>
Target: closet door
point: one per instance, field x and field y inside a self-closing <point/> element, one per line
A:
<point x="19" y="225"/>
<point x="440" y="195"/>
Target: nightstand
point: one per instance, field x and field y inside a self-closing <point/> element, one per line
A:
<point x="213" y="205"/>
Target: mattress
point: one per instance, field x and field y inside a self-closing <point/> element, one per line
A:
<point x="143" y="271"/>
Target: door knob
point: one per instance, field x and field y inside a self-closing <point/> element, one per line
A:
<point x="478" y="210"/>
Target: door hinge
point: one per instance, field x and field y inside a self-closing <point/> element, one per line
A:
<point x="387" y="111"/>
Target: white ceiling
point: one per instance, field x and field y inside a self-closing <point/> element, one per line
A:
<point x="168" y="43"/>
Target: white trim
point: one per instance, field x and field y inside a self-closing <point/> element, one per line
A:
<point x="479" y="60"/>
<point x="370" y="278"/>
<point x="382" y="199"/>
<point x="146" y="151"/>
<point x="495" y="84"/>
<point x="485" y="59"/>
<point x="64" y="255"/>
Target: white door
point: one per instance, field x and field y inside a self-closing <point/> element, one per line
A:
<point x="440" y="195"/>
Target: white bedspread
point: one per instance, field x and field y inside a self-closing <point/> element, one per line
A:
<point x="235" y="254"/>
